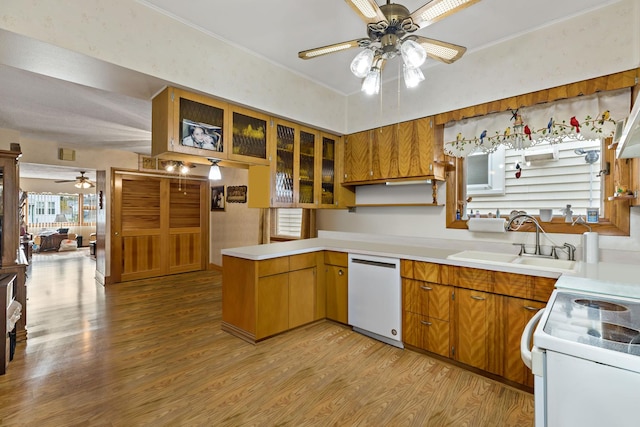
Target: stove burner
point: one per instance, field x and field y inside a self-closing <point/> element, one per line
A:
<point x="600" y="305"/>
<point x="618" y="333"/>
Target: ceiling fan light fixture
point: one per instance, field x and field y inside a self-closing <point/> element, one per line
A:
<point x="413" y="54"/>
<point x="361" y="64"/>
<point x="326" y="50"/>
<point x="184" y="169"/>
<point x="438" y="9"/>
<point x="365" y="8"/>
<point x="371" y="83"/>
<point x="412" y="76"/>
<point x="82" y="184"/>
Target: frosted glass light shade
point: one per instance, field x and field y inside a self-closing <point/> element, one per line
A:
<point x="214" y="173"/>
<point x="413" y="54"/>
<point x="361" y="64"/>
<point x="371" y="84"/>
<point x="412" y="76"/>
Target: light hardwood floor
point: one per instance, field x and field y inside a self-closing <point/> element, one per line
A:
<point x="151" y="352"/>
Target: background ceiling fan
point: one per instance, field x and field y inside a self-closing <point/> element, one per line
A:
<point x="390" y="29"/>
<point x="80" y="181"/>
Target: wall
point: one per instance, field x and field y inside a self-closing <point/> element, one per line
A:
<point x="601" y="42"/>
<point x="131" y="35"/>
<point x="238" y="225"/>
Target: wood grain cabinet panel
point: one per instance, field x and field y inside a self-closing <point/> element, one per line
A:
<point x="427" y="299"/>
<point x="272" y="304"/>
<point x="337" y="278"/>
<point x="302" y="297"/>
<point x="516" y="285"/>
<point x="476" y="334"/>
<point x="473" y="278"/>
<point x="426" y="333"/>
<point x="427" y="271"/>
<point x="516" y="312"/>
<point x="357" y="155"/>
<point x="542" y="288"/>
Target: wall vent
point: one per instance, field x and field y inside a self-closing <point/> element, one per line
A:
<point x="66" y="154"/>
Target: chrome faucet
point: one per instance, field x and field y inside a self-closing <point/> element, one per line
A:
<point x="528" y="218"/>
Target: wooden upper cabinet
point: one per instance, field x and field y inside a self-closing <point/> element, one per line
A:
<point x="307" y="178"/>
<point x="249" y="142"/>
<point x="357" y="157"/>
<point x="402" y="150"/>
<point x="384" y="152"/>
<point x="285" y="136"/>
<point x="189" y="127"/>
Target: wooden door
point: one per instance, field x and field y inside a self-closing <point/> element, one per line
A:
<point x="517" y="312"/>
<point x="337" y="293"/>
<point x="357" y="157"/>
<point x="159" y="226"/>
<point x="475" y="326"/>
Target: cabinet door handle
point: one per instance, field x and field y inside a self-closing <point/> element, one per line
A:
<point x="528" y="307"/>
<point x="340" y="272"/>
<point x="426" y="288"/>
<point x="424" y="322"/>
<point x="477" y="298"/>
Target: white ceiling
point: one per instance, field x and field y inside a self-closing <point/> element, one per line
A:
<point x="44" y="96"/>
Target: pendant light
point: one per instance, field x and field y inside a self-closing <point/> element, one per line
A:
<point x="214" y="171"/>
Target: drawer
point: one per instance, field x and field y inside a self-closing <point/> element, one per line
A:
<point x="298" y="262"/>
<point x="513" y="285"/>
<point x="336" y="258"/>
<point x="473" y="278"/>
<point x="269" y="267"/>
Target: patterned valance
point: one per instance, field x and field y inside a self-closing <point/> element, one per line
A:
<point x="583" y="117"/>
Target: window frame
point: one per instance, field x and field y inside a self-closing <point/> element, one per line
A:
<point x="616" y="218"/>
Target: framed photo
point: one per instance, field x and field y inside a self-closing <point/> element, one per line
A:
<point x="146" y="163"/>
<point x="201" y="135"/>
<point x="237" y="194"/>
<point x="217" y="198"/>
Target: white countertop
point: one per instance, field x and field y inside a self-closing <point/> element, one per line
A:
<point x="601" y="277"/>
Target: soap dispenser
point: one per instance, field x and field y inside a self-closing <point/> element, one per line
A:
<point x="568" y="214"/>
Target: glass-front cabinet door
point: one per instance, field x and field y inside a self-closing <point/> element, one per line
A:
<point x="307" y="172"/>
<point x="249" y="136"/>
<point x="328" y="171"/>
<point x="282" y="168"/>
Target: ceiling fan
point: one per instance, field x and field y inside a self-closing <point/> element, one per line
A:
<point x="80" y="181"/>
<point x="390" y="28"/>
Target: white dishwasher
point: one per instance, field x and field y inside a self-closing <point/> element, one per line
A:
<point x="375" y="297"/>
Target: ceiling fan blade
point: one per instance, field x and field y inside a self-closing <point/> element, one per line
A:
<point x="368" y="10"/>
<point x="435" y="10"/>
<point x="442" y="51"/>
<point x="332" y="48"/>
<point x="65" y="180"/>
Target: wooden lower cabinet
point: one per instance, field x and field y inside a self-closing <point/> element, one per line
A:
<point x="264" y="298"/>
<point x="302" y="297"/>
<point x="426" y="307"/>
<point x="337" y="285"/>
<point x="476" y="330"/>
<point x="426" y="333"/>
<point x="516" y="312"/>
<point x="473" y="316"/>
<point x="272" y="305"/>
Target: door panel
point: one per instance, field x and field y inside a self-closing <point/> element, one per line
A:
<point x="158" y="226"/>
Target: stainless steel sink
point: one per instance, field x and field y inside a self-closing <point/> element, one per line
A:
<point x="495" y="258"/>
